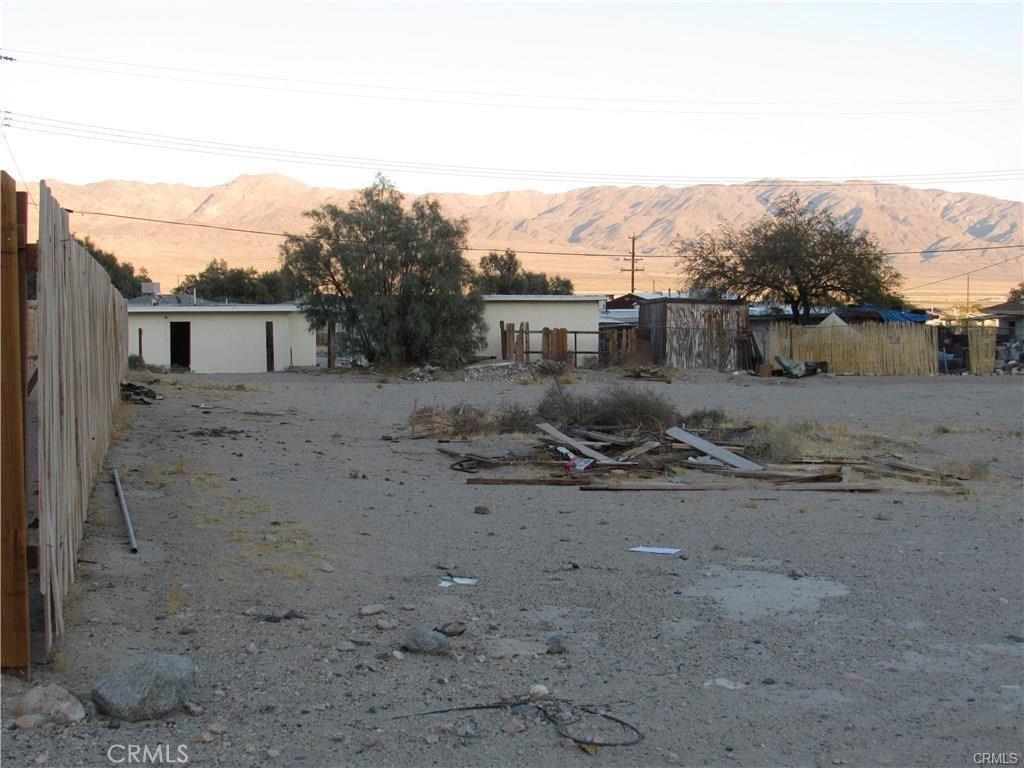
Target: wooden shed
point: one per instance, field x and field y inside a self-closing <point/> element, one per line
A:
<point x="697" y="333"/>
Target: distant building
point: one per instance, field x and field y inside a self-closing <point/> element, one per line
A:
<point x="181" y="331"/>
<point x="1010" y="319"/>
<point x="578" y="313"/>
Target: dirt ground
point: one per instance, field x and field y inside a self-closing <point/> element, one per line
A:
<point x="797" y="629"/>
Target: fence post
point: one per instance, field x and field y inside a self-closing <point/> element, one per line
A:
<point x="14" y="635"/>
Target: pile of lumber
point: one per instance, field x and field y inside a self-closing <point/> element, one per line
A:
<point x="681" y="460"/>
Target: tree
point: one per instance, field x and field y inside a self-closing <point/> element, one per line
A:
<point x="502" y="273"/>
<point x="122" y="274"/>
<point x="1016" y="294"/>
<point x="796" y="256"/>
<point x="219" y="282"/>
<point x="395" y="279"/>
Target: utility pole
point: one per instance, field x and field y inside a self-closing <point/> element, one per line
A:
<point x="633" y="269"/>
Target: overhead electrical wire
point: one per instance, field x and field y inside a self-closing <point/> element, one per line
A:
<point x="964" y="274"/>
<point x="512" y="100"/>
<point x="517" y="250"/>
<point x="94" y="132"/>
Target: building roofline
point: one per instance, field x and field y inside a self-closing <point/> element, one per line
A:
<point x="545" y="297"/>
<point x="211" y="308"/>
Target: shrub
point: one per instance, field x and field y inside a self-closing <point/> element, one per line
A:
<point x="614" y="406"/>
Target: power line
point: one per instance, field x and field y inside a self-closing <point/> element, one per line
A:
<point x="561" y="102"/>
<point x="969" y="272"/>
<point x="532" y="253"/>
<point x="10" y="151"/>
<point x="94" y="132"/>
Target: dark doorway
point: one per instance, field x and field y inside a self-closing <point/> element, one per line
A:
<point x="270" y="346"/>
<point x="181" y="345"/>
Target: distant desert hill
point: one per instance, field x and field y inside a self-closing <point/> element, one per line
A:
<point x="592" y="220"/>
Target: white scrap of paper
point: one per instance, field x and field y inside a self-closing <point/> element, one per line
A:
<point x="655" y="550"/>
<point x="464" y="580"/>
<point x="446" y="584"/>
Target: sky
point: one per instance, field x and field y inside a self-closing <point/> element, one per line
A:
<point x="479" y="98"/>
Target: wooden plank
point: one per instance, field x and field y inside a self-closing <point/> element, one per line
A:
<point x="770" y="475"/>
<point x="717" y="452"/>
<point x="821" y="487"/>
<point x="561" y="437"/>
<point x="580" y="481"/>
<point x="15" y="649"/>
<point x="640" y="450"/>
<point x="604" y="437"/>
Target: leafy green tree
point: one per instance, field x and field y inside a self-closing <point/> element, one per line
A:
<point x="243" y="285"/>
<point x="502" y="273"/>
<point x="122" y="274"/>
<point x="794" y="255"/>
<point x="394" y="278"/>
<point x="1016" y="294"/>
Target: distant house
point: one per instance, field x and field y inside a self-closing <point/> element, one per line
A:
<point x="204" y="337"/>
<point x="1010" y="319"/>
<point x="579" y="313"/>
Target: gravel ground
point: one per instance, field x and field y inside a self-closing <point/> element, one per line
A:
<point x="799" y="628"/>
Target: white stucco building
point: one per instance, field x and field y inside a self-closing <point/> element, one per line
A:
<point x="574" y="313"/>
<point x="220" y="338"/>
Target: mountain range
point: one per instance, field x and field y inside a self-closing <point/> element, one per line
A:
<point x="566" y="225"/>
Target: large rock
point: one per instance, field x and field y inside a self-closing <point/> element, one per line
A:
<point x="145" y="689"/>
<point x="423" y="640"/>
<point x="52" y="703"/>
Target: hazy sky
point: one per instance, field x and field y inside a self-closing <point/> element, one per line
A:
<point x="486" y="97"/>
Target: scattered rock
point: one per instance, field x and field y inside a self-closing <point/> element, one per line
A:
<point x="193" y="709"/>
<point x="452" y="628"/>
<point x="538" y="691"/>
<point x="327" y="568"/>
<point x="514" y="726"/>
<point x="556" y="644"/>
<point x="273" y="752"/>
<point x="251" y="649"/>
<point x="431" y="738"/>
<point x="408" y="607"/>
<point x="768" y="681"/>
<point x="54" y="703"/>
<point x="217" y="728"/>
<point x="345" y="646"/>
<point x="205" y="737"/>
<point x="29" y="722"/>
<point x="386" y="624"/>
<point x="480" y="509"/>
<point x="145" y="689"/>
<point x="372" y="610"/>
<point x="423" y="640"/>
<point x="795" y="573"/>
<point x="673" y="758"/>
<point x="467" y="728"/>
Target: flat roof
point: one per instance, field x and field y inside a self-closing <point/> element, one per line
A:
<point x="162" y="309"/>
<point x="545" y="297"/>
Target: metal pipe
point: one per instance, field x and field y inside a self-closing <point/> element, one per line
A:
<point x="124" y="511"/>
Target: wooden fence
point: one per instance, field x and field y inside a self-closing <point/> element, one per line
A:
<point x="81" y="327"/>
<point x="981" y="349"/>
<point x="83" y="354"/>
<point x="883" y="349"/>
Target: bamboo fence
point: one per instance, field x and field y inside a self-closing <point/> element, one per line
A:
<point x="981" y="349"/>
<point x="82" y="326"/>
<point x="883" y="349"/>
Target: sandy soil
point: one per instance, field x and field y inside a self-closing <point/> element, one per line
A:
<point x="900" y="645"/>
